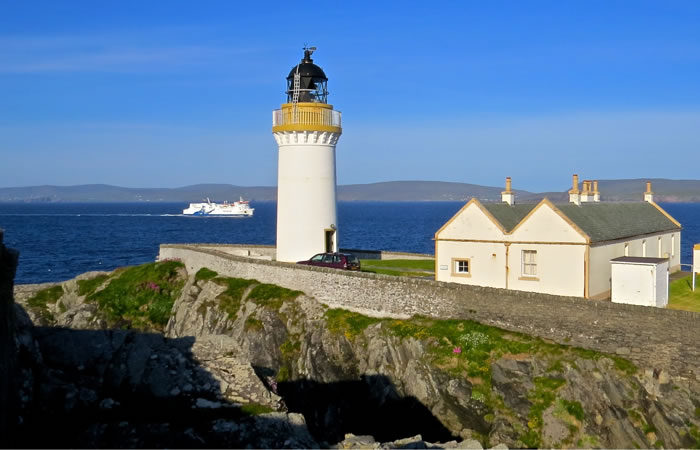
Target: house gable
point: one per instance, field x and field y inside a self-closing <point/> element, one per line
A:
<point x="546" y="223"/>
<point x="473" y="221"/>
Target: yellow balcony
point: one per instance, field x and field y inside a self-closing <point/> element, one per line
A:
<point x="306" y="117"/>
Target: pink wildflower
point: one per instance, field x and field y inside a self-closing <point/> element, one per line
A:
<point x="457" y="350"/>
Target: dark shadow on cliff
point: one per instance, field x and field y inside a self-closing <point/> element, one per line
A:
<point x="121" y="388"/>
<point x="369" y="406"/>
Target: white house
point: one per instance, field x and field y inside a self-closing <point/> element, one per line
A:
<point x="562" y="249"/>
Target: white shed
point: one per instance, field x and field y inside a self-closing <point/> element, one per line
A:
<point x="640" y="281"/>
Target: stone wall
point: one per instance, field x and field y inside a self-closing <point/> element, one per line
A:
<point x="651" y="337"/>
<point x="269" y="252"/>
<point x="8" y="350"/>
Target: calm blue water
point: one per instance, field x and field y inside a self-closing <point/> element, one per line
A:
<point x="59" y="241"/>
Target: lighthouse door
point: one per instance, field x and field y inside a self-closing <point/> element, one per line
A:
<point x="330" y="241"/>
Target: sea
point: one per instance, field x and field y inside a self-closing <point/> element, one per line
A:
<point x="58" y="241"/>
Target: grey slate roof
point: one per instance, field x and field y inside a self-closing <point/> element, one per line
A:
<point x="509" y="216"/>
<point x="600" y="221"/>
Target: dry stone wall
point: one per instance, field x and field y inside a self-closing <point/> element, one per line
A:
<point x="652" y="338"/>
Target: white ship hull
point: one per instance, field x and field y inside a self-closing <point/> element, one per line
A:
<point x="236" y="209"/>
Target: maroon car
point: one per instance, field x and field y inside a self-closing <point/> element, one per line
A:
<point x="346" y="261"/>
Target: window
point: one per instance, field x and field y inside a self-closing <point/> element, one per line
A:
<point x="317" y="258"/>
<point x="673" y="245"/>
<point x="529" y="263"/>
<point x="659" y="248"/>
<point x="461" y="267"/>
<point x="644" y="248"/>
<point x="627" y="249"/>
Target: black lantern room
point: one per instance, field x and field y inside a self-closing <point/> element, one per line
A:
<point x="307" y="82"/>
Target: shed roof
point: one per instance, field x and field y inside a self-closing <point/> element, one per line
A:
<point x="600" y="221"/>
<point x="638" y="260"/>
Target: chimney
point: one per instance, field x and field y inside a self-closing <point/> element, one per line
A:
<point x="586" y="195"/>
<point x="648" y="195"/>
<point x="574" y="193"/>
<point x="596" y="193"/>
<point x="508" y="196"/>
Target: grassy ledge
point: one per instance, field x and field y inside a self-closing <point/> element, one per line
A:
<point x="41" y="300"/>
<point x="87" y="287"/>
<point x="467" y="349"/>
<point x="205" y="274"/>
<point x="141" y="297"/>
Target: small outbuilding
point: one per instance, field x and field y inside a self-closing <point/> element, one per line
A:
<point x="640" y="281"/>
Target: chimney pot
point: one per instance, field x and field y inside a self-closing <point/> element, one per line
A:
<point x="574" y="193"/>
<point x="596" y="193"/>
<point x="574" y="183"/>
<point x="648" y="195"/>
<point x="508" y="196"/>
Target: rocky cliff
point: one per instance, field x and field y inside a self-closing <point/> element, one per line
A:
<point x="153" y="356"/>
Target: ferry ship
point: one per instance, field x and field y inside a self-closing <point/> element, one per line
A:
<point x="240" y="208"/>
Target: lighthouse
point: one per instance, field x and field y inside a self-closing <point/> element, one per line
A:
<point x="306" y="129"/>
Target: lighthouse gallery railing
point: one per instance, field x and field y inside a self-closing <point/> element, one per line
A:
<point x="306" y="115"/>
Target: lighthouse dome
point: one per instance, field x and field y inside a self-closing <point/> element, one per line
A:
<point x="312" y="81"/>
<point x="307" y="69"/>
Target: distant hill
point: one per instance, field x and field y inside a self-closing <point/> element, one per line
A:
<point x="397" y="191"/>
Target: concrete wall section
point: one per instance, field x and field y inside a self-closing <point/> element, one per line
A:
<point x="659" y="338"/>
<point x="560" y="269"/>
<point x="487" y="263"/>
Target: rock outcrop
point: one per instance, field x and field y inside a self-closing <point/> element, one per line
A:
<point x="8" y="347"/>
<point x="233" y="349"/>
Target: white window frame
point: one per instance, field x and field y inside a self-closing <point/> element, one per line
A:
<point x="456" y="262"/>
<point x="528" y="263"/>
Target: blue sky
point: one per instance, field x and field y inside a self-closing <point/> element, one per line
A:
<point x="167" y="94"/>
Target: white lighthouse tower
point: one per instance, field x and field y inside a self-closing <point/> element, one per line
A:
<point x="306" y="129"/>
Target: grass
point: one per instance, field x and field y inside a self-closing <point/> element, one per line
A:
<point x="253" y="324"/>
<point x="87" y="287"/>
<point x="141" y="297"/>
<point x="205" y="274"/>
<point x="230" y="299"/>
<point x="542" y="397"/>
<point x="399" y="267"/>
<point x="266" y="295"/>
<point x="423" y="264"/>
<point x="348" y="323"/>
<point x="574" y="408"/>
<point x="467" y="349"/>
<point x="680" y="295"/>
<point x="41" y="300"/>
<point x="271" y="295"/>
<point x="255" y="409"/>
